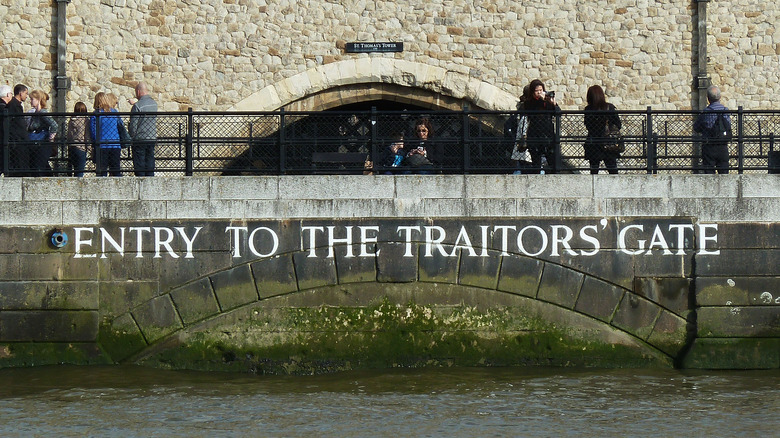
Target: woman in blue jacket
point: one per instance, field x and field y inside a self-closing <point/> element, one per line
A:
<point x="105" y="126"/>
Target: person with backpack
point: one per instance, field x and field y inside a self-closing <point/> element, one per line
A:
<point x="714" y="125"/>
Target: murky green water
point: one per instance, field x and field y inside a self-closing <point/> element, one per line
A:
<point x="132" y="401"/>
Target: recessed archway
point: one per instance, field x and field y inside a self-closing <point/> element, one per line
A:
<point x="335" y="84"/>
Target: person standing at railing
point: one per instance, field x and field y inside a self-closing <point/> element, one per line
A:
<point x="41" y="130"/>
<point x="143" y="130"/>
<point x="17" y="133"/>
<point x="6" y="94"/>
<point x="714" y="124"/>
<point x="540" y="135"/>
<point x="106" y="139"/>
<point x="78" y="139"/>
<point x="599" y="115"/>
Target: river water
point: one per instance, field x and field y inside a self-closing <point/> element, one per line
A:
<point x="454" y="402"/>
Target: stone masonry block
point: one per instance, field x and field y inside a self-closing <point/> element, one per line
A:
<point x="355" y="269"/>
<point x="118" y="297"/>
<point x="393" y="266"/>
<point x="599" y="299"/>
<point x="57" y="266"/>
<point x="479" y="271"/>
<point x="440" y="269"/>
<point x="48" y="326"/>
<point x="49" y="295"/>
<point x="671" y="293"/>
<point x="234" y="287"/>
<point x="560" y="285"/>
<point x="632" y="187"/>
<point x="745" y="262"/>
<point x="275" y="276"/>
<point x="157" y="318"/>
<point x="121" y="338"/>
<point x="173" y="189"/>
<point x="736" y="321"/>
<point x="520" y="275"/>
<point x="241" y="188"/>
<point x="636" y="315"/>
<point x="314" y="271"/>
<point x="195" y="301"/>
<point x="669" y="333"/>
<point x="734" y="353"/>
<point x="738" y="291"/>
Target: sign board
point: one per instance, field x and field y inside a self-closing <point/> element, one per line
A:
<point x="374" y="47"/>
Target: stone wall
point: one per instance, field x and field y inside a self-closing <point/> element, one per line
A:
<point x="214" y="54"/>
<point x="666" y="298"/>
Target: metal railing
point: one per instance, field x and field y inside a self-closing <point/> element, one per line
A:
<point x="330" y="142"/>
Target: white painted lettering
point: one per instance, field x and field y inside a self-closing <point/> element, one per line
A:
<point x="463" y="236"/>
<point x="333" y="240"/>
<point x="234" y="231"/>
<point x="312" y="239"/>
<point x="680" y="229"/>
<point x="590" y="239"/>
<point x="187" y="241"/>
<point x="79" y="242"/>
<point x="658" y="240"/>
<point x="563" y="241"/>
<point x="407" y="230"/>
<point x="159" y="242"/>
<point x="520" y="245"/>
<point x="504" y="237"/>
<point x="431" y="242"/>
<point x="484" y="229"/>
<point x="274" y="238"/>
<point x="365" y="239"/>
<point x="622" y="240"/>
<point x="139" y="241"/>
<point x="704" y="238"/>
<point x="106" y="237"/>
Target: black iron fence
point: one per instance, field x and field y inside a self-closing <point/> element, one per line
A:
<point x="277" y="143"/>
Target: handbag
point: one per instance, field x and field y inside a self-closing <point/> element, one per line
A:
<point x="614" y="142"/>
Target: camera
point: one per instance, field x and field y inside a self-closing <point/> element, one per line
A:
<point x="551" y="95"/>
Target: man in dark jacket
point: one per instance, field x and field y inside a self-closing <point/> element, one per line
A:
<point x="19" y="155"/>
<point x="714" y="124"/>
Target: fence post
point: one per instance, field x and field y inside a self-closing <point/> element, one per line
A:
<point x="5" y="151"/>
<point x="557" y="160"/>
<point x="740" y="140"/>
<point x="374" y="139"/>
<point x="650" y="146"/>
<point x="464" y="138"/>
<point x="282" y="148"/>
<point x="188" y="153"/>
<point x="97" y="142"/>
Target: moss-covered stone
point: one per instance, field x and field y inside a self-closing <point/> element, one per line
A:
<point x="323" y="339"/>
<point x="121" y="338"/>
<point x="735" y="353"/>
<point x="27" y="354"/>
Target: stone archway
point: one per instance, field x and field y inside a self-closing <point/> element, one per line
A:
<point x="501" y="310"/>
<point x="390" y="78"/>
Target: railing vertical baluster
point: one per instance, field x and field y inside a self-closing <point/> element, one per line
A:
<point x="651" y="152"/>
<point x="98" y="149"/>
<point x="188" y="155"/>
<point x="557" y="160"/>
<point x="740" y="141"/>
<point x="282" y="148"/>
<point x="6" y="150"/>
<point x="374" y="139"/>
<point x="464" y="135"/>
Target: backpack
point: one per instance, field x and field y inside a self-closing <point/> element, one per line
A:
<point x="721" y="129"/>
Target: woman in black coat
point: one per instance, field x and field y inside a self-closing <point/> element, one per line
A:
<point x="539" y="107"/>
<point x="598" y="114"/>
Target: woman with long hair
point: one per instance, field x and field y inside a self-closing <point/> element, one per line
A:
<point x="78" y="139"/>
<point x="104" y="125"/>
<point x="41" y="130"/>
<point x="540" y="135"/>
<point x="599" y="114"/>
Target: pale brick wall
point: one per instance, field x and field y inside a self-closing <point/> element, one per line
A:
<point x="225" y="54"/>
